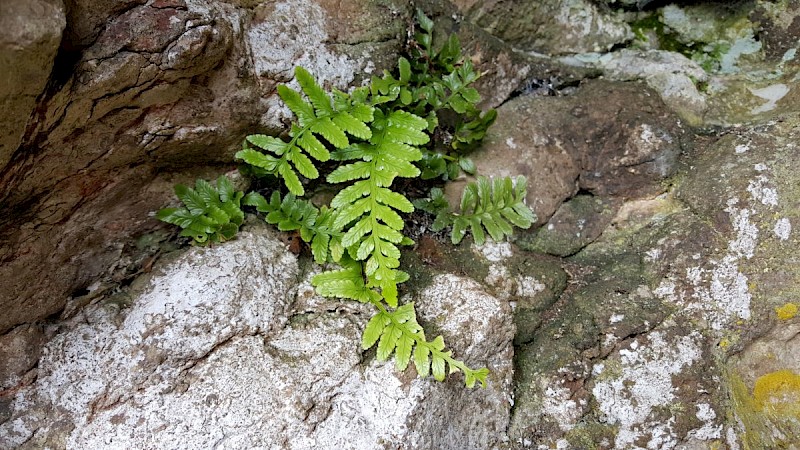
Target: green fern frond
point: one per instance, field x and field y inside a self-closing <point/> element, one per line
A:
<point x="293" y="214"/>
<point x="398" y="332"/>
<point x="367" y="208"/>
<point x="210" y="214"/>
<point x="319" y="116"/>
<point x="493" y="205"/>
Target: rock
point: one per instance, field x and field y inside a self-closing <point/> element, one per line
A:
<point x="19" y="350"/>
<point x="554" y="26"/>
<point x="133" y="113"/>
<point x="219" y="344"/>
<point x="30" y="33"/>
<point x="608" y="148"/>
<point x="504" y="69"/>
<point x="576" y="224"/>
<point x="683" y="299"/>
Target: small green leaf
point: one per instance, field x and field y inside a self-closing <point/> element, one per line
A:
<point x="373" y="331"/>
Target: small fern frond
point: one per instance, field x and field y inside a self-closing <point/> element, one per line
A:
<point x="319" y="116"/>
<point x="399" y="332"/>
<point x="494" y="206"/>
<point x="293" y="214"/>
<point x="210" y="214"/>
<point x="347" y="282"/>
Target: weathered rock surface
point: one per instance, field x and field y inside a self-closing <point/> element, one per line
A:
<point x="229" y="347"/>
<point x="156" y="93"/>
<point x="550" y="26"/>
<point x="621" y="142"/>
<point x="30" y="33"/>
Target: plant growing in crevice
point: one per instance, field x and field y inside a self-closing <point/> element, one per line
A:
<point x="392" y="128"/>
<point x="210" y="214"/>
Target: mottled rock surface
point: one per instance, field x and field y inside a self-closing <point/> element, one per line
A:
<point x="230" y="347"/>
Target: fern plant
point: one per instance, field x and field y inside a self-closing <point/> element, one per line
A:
<point x="210" y="214"/>
<point x="495" y="206"/>
<point x="376" y="134"/>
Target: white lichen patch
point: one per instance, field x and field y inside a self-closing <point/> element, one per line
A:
<point x="558" y="405"/>
<point x="783" y="228"/>
<point x="744" y="244"/>
<point x="771" y="94"/>
<point x="710" y="430"/>
<point x="510" y="143"/>
<point x="761" y="192"/>
<point x="741" y="148"/>
<point x="493" y="251"/>
<point x="632" y="400"/>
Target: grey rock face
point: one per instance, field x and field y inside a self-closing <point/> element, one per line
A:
<point x="228" y="347"/>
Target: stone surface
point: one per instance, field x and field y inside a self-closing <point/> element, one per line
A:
<point x="550" y="26"/>
<point x="30" y="33"/>
<point x="218" y="345"/>
<point x="621" y="142"/>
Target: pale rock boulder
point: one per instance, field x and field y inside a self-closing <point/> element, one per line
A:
<point x="228" y="346"/>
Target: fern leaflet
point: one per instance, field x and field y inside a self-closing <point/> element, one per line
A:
<point x="398" y="332"/>
<point x="318" y="116"/>
<point x="209" y="214"/>
<point x="293" y="214"/>
<point x="493" y="205"/>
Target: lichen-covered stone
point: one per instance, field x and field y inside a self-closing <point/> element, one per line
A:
<point x="218" y="345"/>
<point x="551" y="26"/>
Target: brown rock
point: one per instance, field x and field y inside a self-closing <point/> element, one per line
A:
<point x="30" y="33"/>
<point x="610" y="139"/>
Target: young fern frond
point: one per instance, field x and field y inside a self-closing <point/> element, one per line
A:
<point x="493" y="205"/>
<point x="398" y="332"/>
<point x="293" y="214"/>
<point x="210" y="214"/>
<point x="366" y="209"/>
<point x="332" y="119"/>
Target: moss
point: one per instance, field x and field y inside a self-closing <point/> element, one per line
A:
<point x="787" y="311"/>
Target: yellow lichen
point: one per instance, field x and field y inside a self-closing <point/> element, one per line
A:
<point x="778" y="391"/>
<point x="787" y="311"/>
<point x="769" y="417"/>
<point x="724" y="343"/>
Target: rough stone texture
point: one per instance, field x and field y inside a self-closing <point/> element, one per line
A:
<point x="552" y="26"/>
<point x="779" y="29"/>
<point x="228" y="347"/>
<point x="19" y="352"/>
<point x="134" y="112"/>
<point x="621" y="142"/>
<point x="670" y="322"/>
<point x="30" y="33"/>
<point x="504" y="69"/>
<point x="576" y="224"/>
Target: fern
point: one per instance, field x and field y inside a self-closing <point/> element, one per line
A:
<point x="395" y="331"/>
<point x="375" y="134"/>
<point x="320" y="116"/>
<point x="495" y="206"/>
<point x="210" y="214"/>
<point x="293" y="214"/>
<point x="366" y="209"/>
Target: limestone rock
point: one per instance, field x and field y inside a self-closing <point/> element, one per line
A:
<point x="553" y="26"/>
<point x="218" y="345"/>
